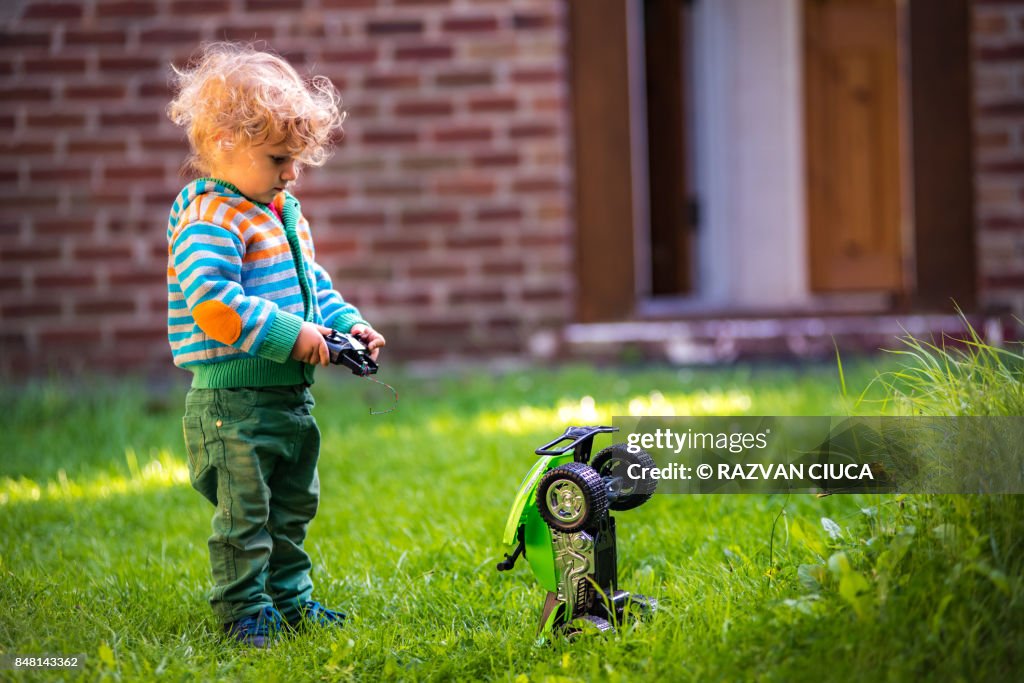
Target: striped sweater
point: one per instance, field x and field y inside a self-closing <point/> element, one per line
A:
<point x="240" y="283"/>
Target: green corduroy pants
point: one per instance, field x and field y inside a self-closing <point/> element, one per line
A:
<point x="253" y="454"/>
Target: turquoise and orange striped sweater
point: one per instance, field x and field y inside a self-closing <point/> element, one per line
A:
<point x="240" y="283"/>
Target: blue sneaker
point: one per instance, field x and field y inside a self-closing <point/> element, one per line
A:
<point x="258" y="630"/>
<point x="315" y="614"/>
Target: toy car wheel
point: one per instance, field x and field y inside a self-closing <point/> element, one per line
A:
<point x="625" y="492"/>
<point x="571" y="496"/>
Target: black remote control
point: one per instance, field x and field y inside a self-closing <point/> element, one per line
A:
<point x="349" y="351"/>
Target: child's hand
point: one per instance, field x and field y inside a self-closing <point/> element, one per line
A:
<point x="373" y="339"/>
<point x="311" y="347"/>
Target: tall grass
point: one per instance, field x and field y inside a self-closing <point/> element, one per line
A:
<point x="953" y="564"/>
<point x="956" y="376"/>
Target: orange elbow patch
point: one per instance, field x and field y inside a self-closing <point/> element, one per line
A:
<point x="218" y="320"/>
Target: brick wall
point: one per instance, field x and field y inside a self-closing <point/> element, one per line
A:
<point x="443" y="215"/>
<point x="999" y="129"/>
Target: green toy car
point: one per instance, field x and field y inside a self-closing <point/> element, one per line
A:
<point x="560" y="523"/>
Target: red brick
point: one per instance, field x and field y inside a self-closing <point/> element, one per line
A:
<point x="55" y="65"/>
<point x="471" y="187"/>
<point x="334" y="246"/>
<point x="245" y="33"/>
<point x="477" y="296"/>
<point x="357" y="218"/>
<point x="104" y="305"/>
<point x="97" y="147"/>
<point x="24" y="94"/>
<point x="130" y="119"/>
<point x="415" y="298"/>
<point x="131" y="277"/>
<point x="419" y="3"/>
<point x="532" y="130"/>
<point x="151" y="145"/>
<point x="79" y="37"/>
<point x="103" y="252"/>
<point x="1003" y="281"/>
<point x="499" y="214"/>
<point x="1007" y="223"/>
<point x="23" y="39"/>
<point x="536" y="75"/>
<point x="1003" y="167"/>
<point x="391" y="81"/>
<point x="169" y="35"/>
<point x="493" y="103"/>
<point x="463" y="134"/>
<point x="495" y="159"/>
<point x="413" y="108"/>
<point x="151" y="88"/>
<point x="60" y="174"/>
<point x="65" y="281"/>
<point x="94" y="92"/>
<point x="128" y="64"/>
<point x="437" y="271"/>
<point x="71" y="337"/>
<point x="523" y="20"/>
<point x="461" y="79"/>
<point x="355" y="55"/>
<point x="430" y="217"/>
<point x="62" y="226"/>
<point x="55" y="120"/>
<point x="505" y="268"/>
<point x="1005" y="53"/>
<point x="348" y="4"/>
<point x="27" y="148"/>
<point x="414" y="162"/>
<point x="394" y="27"/>
<point x="19" y="310"/>
<point x="473" y="242"/>
<point x="53" y="10"/>
<point x="421" y="53"/>
<point x="127" y="8"/>
<point x="544" y="294"/>
<point x="132" y="173"/>
<point x="389" y="137"/>
<point x="449" y="329"/>
<point x="393" y="188"/>
<point x="181" y="8"/>
<point x="988" y="24"/>
<point x="399" y="245"/>
<point x="530" y="185"/>
<point x="140" y="334"/>
<point x="29" y="253"/>
<point x="1000" y="109"/>
<point x="470" y="24"/>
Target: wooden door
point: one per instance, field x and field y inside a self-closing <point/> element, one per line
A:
<point x="599" y="58"/>
<point x="852" y="85"/>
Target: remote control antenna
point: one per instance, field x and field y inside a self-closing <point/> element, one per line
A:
<point x="395" y="393"/>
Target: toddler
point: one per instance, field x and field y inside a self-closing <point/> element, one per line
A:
<point x="247" y="311"/>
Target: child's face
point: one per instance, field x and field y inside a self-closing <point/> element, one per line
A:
<point x="258" y="171"/>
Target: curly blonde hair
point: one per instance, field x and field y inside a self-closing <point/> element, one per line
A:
<point x="248" y="96"/>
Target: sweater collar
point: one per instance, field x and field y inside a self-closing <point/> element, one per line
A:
<point x="285" y="202"/>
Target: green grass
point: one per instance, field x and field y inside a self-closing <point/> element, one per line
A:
<point x="103" y="547"/>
